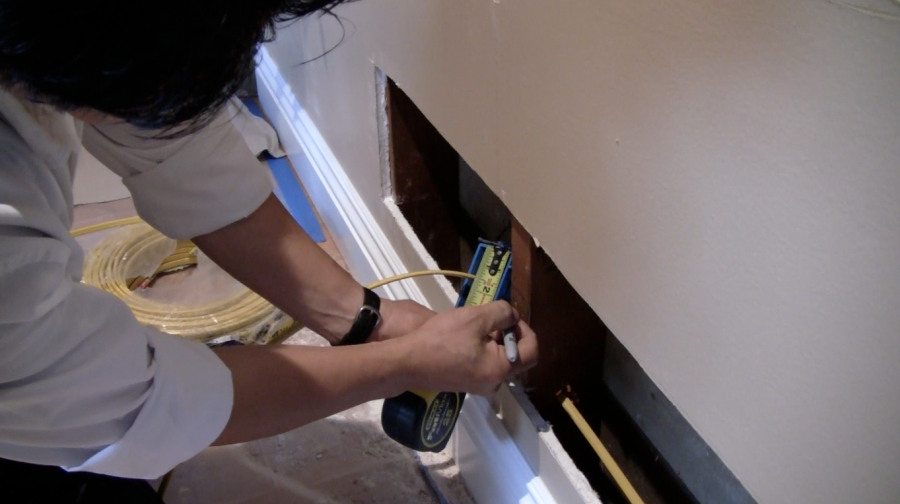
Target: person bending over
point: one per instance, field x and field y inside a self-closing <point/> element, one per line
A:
<point x="92" y="402"/>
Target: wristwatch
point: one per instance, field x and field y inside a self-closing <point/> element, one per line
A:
<point x="366" y="321"/>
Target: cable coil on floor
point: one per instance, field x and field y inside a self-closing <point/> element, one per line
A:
<point x="131" y="257"/>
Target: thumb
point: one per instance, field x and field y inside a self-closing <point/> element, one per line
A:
<point x="496" y="316"/>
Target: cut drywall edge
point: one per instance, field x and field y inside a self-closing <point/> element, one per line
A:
<point x="384" y="145"/>
<point x="419" y="249"/>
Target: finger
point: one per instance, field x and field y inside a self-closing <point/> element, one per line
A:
<point x="501" y="368"/>
<point x="528" y="348"/>
<point x="496" y="316"/>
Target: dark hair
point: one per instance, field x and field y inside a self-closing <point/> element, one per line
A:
<point x="156" y="64"/>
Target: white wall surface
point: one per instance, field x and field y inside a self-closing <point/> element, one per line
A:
<point x="719" y="180"/>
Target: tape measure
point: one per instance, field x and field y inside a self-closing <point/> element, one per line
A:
<point x="423" y="420"/>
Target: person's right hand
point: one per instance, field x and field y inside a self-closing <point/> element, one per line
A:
<point x="462" y="350"/>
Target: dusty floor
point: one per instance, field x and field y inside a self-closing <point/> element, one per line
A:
<point x="345" y="458"/>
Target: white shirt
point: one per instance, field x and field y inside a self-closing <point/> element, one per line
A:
<point x="83" y="386"/>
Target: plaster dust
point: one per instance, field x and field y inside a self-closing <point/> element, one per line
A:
<point x="345" y="458"/>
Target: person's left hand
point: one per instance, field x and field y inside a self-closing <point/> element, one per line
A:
<point x="399" y="318"/>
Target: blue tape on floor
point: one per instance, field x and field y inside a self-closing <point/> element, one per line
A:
<point x="288" y="189"/>
<point x="291" y="195"/>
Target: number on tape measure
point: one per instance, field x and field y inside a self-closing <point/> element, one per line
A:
<point x="487" y="278"/>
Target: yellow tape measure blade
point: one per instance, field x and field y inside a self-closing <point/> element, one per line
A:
<point x="484" y="287"/>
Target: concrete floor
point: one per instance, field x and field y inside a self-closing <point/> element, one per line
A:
<point x="345" y="458"/>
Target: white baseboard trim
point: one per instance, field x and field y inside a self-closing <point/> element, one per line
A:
<point x="358" y="237"/>
<point x="489" y="458"/>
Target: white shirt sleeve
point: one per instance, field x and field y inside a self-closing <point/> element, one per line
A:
<point x="186" y="186"/>
<point x="83" y="385"/>
<point x="87" y="388"/>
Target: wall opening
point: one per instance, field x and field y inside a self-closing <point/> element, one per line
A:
<point x="449" y="207"/>
<point x="445" y="202"/>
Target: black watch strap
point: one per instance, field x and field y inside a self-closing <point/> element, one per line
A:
<point x="366" y="321"/>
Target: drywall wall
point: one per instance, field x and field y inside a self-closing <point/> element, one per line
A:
<point x="719" y="180"/>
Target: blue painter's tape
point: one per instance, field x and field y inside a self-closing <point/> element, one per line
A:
<point x="252" y="106"/>
<point x="292" y="197"/>
<point x="288" y="189"/>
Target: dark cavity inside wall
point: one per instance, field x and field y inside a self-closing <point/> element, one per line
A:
<point x="449" y="207"/>
<point x="447" y="204"/>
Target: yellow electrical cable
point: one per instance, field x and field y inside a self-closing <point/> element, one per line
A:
<point x="106" y="225"/>
<point x="413" y="274"/>
<point x="605" y="457"/>
<point x="240" y="314"/>
<point x="185" y="256"/>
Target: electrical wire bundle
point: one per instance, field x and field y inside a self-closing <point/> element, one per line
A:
<point x="132" y="257"/>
